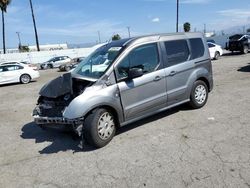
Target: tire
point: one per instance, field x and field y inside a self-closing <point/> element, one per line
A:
<point x="199" y="94"/>
<point x="67" y="68"/>
<point x="61" y="68"/>
<point x="99" y="127"/>
<point x="50" y="66"/>
<point x="25" y="78"/>
<point x="245" y="50"/>
<point x="216" y="55"/>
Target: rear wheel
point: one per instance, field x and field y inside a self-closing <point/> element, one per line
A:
<point x="99" y="127"/>
<point x="217" y="55"/>
<point x="25" y="78"/>
<point x="67" y="68"/>
<point x="199" y="94"/>
<point x="245" y="50"/>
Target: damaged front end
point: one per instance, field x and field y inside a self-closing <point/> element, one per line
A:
<point x="54" y="98"/>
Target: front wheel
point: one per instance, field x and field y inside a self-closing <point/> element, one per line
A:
<point x="199" y="94"/>
<point x="25" y="78"/>
<point x="99" y="127"/>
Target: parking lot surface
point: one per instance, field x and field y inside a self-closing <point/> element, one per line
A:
<point x="209" y="147"/>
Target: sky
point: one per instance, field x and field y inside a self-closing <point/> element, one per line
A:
<point x="78" y="21"/>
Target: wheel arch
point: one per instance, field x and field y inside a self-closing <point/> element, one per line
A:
<point x="109" y="108"/>
<point x="204" y="79"/>
<point x="217" y="51"/>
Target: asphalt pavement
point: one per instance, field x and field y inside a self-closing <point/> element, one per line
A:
<point x="208" y="147"/>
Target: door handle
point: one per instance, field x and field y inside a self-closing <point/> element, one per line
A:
<point x="157" y="78"/>
<point x="172" y="73"/>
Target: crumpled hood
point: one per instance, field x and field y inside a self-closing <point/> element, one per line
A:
<point x="57" y="87"/>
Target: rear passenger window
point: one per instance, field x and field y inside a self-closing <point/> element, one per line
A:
<point x="177" y="51"/>
<point x="197" y="48"/>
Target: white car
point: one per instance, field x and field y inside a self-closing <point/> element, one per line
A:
<point x="22" y="63"/>
<point x="13" y="73"/>
<point x="215" y="50"/>
<point x="55" y="62"/>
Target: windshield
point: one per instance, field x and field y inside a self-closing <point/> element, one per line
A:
<point x="235" y="37"/>
<point x="52" y="59"/>
<point x="96" y="64"/>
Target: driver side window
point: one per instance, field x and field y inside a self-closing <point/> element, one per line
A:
<point x="145" y="57"/>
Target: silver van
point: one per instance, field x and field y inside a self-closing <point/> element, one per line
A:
<point x="127" y="80"/>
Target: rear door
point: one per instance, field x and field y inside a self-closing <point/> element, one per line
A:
<point x="178" y="69"/>
<point x="147" y="93"/>
<point x="10" y="74"/>
<point x="56" y="62"/>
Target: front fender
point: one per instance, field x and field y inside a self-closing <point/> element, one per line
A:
<point x="92" y="98"/>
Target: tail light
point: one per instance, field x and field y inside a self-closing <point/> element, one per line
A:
<point x="34" y="67"/>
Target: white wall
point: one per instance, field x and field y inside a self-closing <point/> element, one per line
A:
<point x="40" y="57"/>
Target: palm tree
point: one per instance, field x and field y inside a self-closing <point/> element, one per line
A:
<point x="187" y="26"/>
<point x="3" y="5"/>
<point x="34" y="23"/>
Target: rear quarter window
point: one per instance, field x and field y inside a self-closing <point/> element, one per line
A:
<point x="197" y="48"/>
<point x="177" y="51"/>
<point x="210" y="45"/>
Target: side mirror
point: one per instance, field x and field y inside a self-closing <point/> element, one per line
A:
<point x="135" y="73"/>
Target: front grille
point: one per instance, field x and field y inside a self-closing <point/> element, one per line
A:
<point x="53" y="112"/>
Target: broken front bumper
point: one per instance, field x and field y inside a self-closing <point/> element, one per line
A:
<point x="55" y="120"/>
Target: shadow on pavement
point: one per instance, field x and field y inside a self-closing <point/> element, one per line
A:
<point x="233" y="54"/>
<point x="64" y="141"/>
<point x="155" y="117"/>
<point x="17" y="83"/>
<point x="245" y="68"/>
<point x="60" y="141"/>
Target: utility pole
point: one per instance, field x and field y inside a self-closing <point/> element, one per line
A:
<point x="205" y="28"/>
<point x="34" y="23"/>
<point x="19" y="39"/>
<point x="4" y="47"/>
<point x="177" y="16"/>
<point x="99" y="36"/>
<point x="128" y="32"/>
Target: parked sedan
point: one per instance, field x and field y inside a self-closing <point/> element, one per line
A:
<point x="22" y="63"/>
<point x="71" y="65"/>
<point x="55" y="62"/>
<point x="215" y="50"/>
<point x="17" y="73"/>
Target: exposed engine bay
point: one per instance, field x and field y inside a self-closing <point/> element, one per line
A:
<point x="56" y="96"/>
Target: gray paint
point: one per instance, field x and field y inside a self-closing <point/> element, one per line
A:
<point x="146" y="95"/>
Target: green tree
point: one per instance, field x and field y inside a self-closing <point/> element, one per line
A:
<point x="116" y="37"/>
<point x="187" y="26"/>
<point x="3" y="5"/>
<point x="24" y="48"/>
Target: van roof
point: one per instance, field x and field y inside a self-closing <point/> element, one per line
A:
<point x="127" y="41"/>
